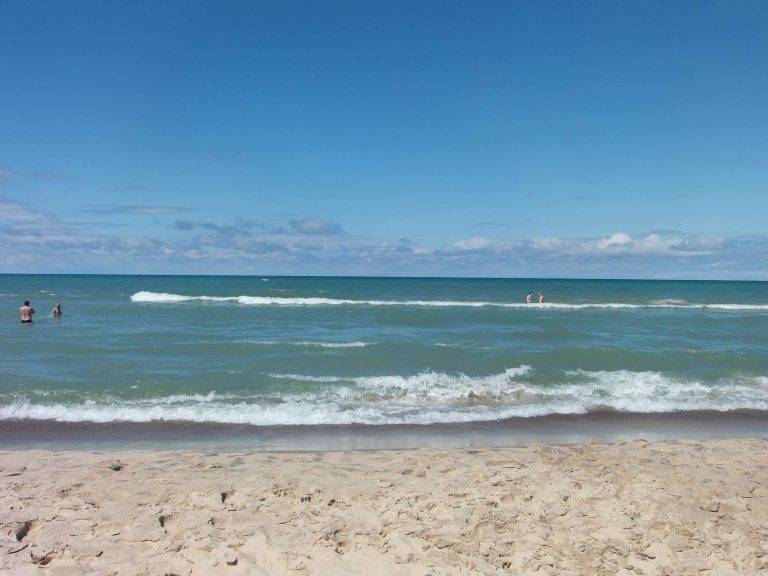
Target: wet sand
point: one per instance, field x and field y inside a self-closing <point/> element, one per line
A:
<point x="604" y="426"/>
<point x="653" y="508"/>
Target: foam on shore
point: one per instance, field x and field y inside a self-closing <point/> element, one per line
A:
<point x="423" y="398"/>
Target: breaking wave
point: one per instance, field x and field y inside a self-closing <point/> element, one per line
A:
<point x="311" y="344"/>
<point x="166" y="298"/>
<point x="423" y="398"/>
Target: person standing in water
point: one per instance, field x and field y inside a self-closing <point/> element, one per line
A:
<point x="26" y="312"/>
<point x="541" y="297"/>
<point x="56" y="310"/>
<point x="529" y="298"/>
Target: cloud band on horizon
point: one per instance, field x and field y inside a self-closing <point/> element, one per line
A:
<point x="33" y="241"/>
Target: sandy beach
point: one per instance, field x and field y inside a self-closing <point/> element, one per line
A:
<point x="689" y="507"/>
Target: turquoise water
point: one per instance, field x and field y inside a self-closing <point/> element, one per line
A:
<point x="275" y="350"/>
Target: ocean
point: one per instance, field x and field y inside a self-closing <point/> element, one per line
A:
<point x="315" y="351"/>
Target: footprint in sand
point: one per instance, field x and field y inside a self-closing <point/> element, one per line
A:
<point x="483" y="530"/>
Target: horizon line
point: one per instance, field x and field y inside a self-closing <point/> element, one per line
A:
<point x="384" y="277"/>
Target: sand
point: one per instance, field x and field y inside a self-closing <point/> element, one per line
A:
<point x="629" y="508"/>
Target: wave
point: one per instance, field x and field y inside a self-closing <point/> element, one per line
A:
<point x="310" y="344"/>
<point x="464" y="345"/>
<point x="423" y="398"/>
<point x="166" y="298"/>
<point x="430" y="383"/>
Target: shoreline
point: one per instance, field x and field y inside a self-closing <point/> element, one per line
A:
<point x="554" y="429"/>
<point x="628" y="508"/>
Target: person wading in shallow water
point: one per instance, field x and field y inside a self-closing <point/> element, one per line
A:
<point x="56" y="312"/>
<point x="529" y="298"/>
<point x="26" y="312"/>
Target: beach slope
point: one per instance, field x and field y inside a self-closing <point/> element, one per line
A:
<point x="630" y="508"/>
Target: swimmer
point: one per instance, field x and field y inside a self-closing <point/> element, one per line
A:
<point x="541" y="297"/>
<point x="56" y="312"/>
<point x="26" y="313"/>
<point x="529" y="298"/>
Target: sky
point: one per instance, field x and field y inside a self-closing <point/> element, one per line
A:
<point x="560" y="139"/>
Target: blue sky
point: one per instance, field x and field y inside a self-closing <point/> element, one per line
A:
<point x="417" y="138"/>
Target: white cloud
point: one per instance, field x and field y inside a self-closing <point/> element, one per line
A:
<point x="617" y="244"/>
<point x="15" y="213"/>
<point x="617" y="239"/>
<point x="651" y="244"/>
<point x="316" y="226"/>
<point x="476" y="244"/>
<point x="547" y="244"/>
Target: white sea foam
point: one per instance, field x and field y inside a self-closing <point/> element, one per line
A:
<point x="311" y="344"/>
<point x="165" y="298"/>
<point x="336" y="344"/>
<point x="144" y="296"/>
<point x="423" y="398"/>
<point x="246" y="413"/>
<point x="464" y="345"/>
<point x="730" y="306"/>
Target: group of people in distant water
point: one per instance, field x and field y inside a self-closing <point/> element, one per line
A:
<point x="529" y="298"/>
<point x="27" y="312"/>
